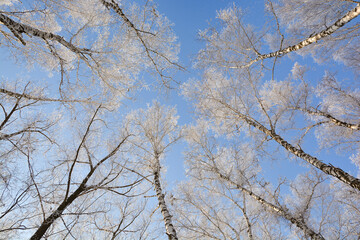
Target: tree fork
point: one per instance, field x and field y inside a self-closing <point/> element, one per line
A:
<point x="66" y="202"/>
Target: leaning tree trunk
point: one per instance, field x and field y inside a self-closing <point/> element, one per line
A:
<point x="68" y="200"/>
<point x="326" y="168"/>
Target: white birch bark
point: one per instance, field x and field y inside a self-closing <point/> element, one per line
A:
<point x="155" y="129"/>
<point x="248" y="223"/>
<point x="331" y="118"/>
<point x="326" y="168"/>
<point x="353" y="13"/>
<point x="18" y="28"/>
<point x="40" y="98"/>
<point x="170" y="230"/>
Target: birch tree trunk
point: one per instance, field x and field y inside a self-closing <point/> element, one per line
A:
<point x="331" y="118"/>
<point x="170" y="230"/>
<point x="326" y="168"/>
<point x="353" y="13"/>
<point x="18" y="28"/>
<point x="157" y="130"/>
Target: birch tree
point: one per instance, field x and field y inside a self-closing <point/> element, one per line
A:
<point x="22" y="131"/>
<point x="156" y="130"/>
<point x="309" y="26"/>
<point x="83" y="179"/>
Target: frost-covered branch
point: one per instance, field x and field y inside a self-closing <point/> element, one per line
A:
<point x="26" y="130"/>
<point x="71" y="198"/>
<point x="235" y="168"/>
<point x="230" y="103"/>
<point x="332" y="119"/>
<point x="19" y="28"/>
<point x="279" y="210"/>
<point x="37" y="98"/>
<point x="310" y="40"/>
<point x="148" y="49"/>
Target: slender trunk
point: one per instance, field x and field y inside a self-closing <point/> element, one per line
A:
<point x="35" y="98"/>
<point x="57" y="213"/>
<point x="249" y="231"/>
<point x="279" y="210"/>
<point x="170" y="230"/>
<point x="310" y="40"/>
<point x="326" y="168"/>
<point x="67" y="201"/>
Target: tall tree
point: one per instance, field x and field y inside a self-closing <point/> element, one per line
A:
<point x="231" y="177"/>
<point x="156" y="130"/>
